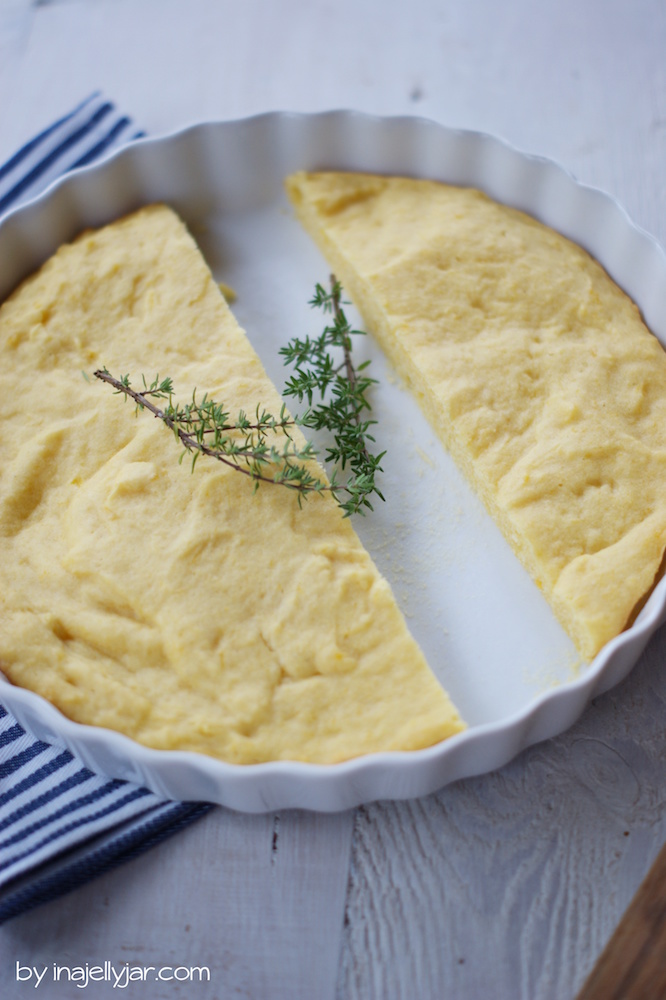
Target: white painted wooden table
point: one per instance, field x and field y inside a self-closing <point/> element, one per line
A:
<point x="506" y="886"/>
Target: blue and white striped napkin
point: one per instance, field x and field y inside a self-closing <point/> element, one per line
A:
<point x="61" y="824"/>
<point x="83" y="135"/>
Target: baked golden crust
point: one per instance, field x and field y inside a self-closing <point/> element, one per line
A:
<point x="179" y="609"/>
<point x="534" y="367"/>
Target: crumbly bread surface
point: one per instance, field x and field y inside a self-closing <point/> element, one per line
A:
<point x="534" y="367"/>
<point x="179" y="608"/>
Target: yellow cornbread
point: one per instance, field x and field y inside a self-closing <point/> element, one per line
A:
<point x="534" y="367"/>
<point x="179" y="608"/>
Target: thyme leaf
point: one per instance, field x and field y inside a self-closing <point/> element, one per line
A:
<point x="263" y="448"/>
<point x="324" y="370"/>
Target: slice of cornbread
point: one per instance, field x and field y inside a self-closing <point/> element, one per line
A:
<point x="534" y="367"/>
<point x="179" y="608"/>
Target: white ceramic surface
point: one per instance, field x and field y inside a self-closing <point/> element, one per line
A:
<point x="483" y="625"/>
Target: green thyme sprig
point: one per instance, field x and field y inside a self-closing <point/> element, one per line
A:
<point x="263" y="448"/>
<point x="324" y="369"/>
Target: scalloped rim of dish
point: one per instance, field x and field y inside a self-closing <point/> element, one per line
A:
<point x="343" y="139"/>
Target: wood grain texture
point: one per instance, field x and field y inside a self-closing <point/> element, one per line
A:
<point x="259" y="900"/>
<point x="509" y="885"/>
<point x="632" y="966"/>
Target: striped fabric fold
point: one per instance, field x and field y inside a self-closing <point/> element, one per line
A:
<point x="92" y="129"/>
<point x="60" y="823"/>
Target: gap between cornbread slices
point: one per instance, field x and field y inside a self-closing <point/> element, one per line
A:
<point x="532" y="365"/>
<point x="179" y="608"/>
